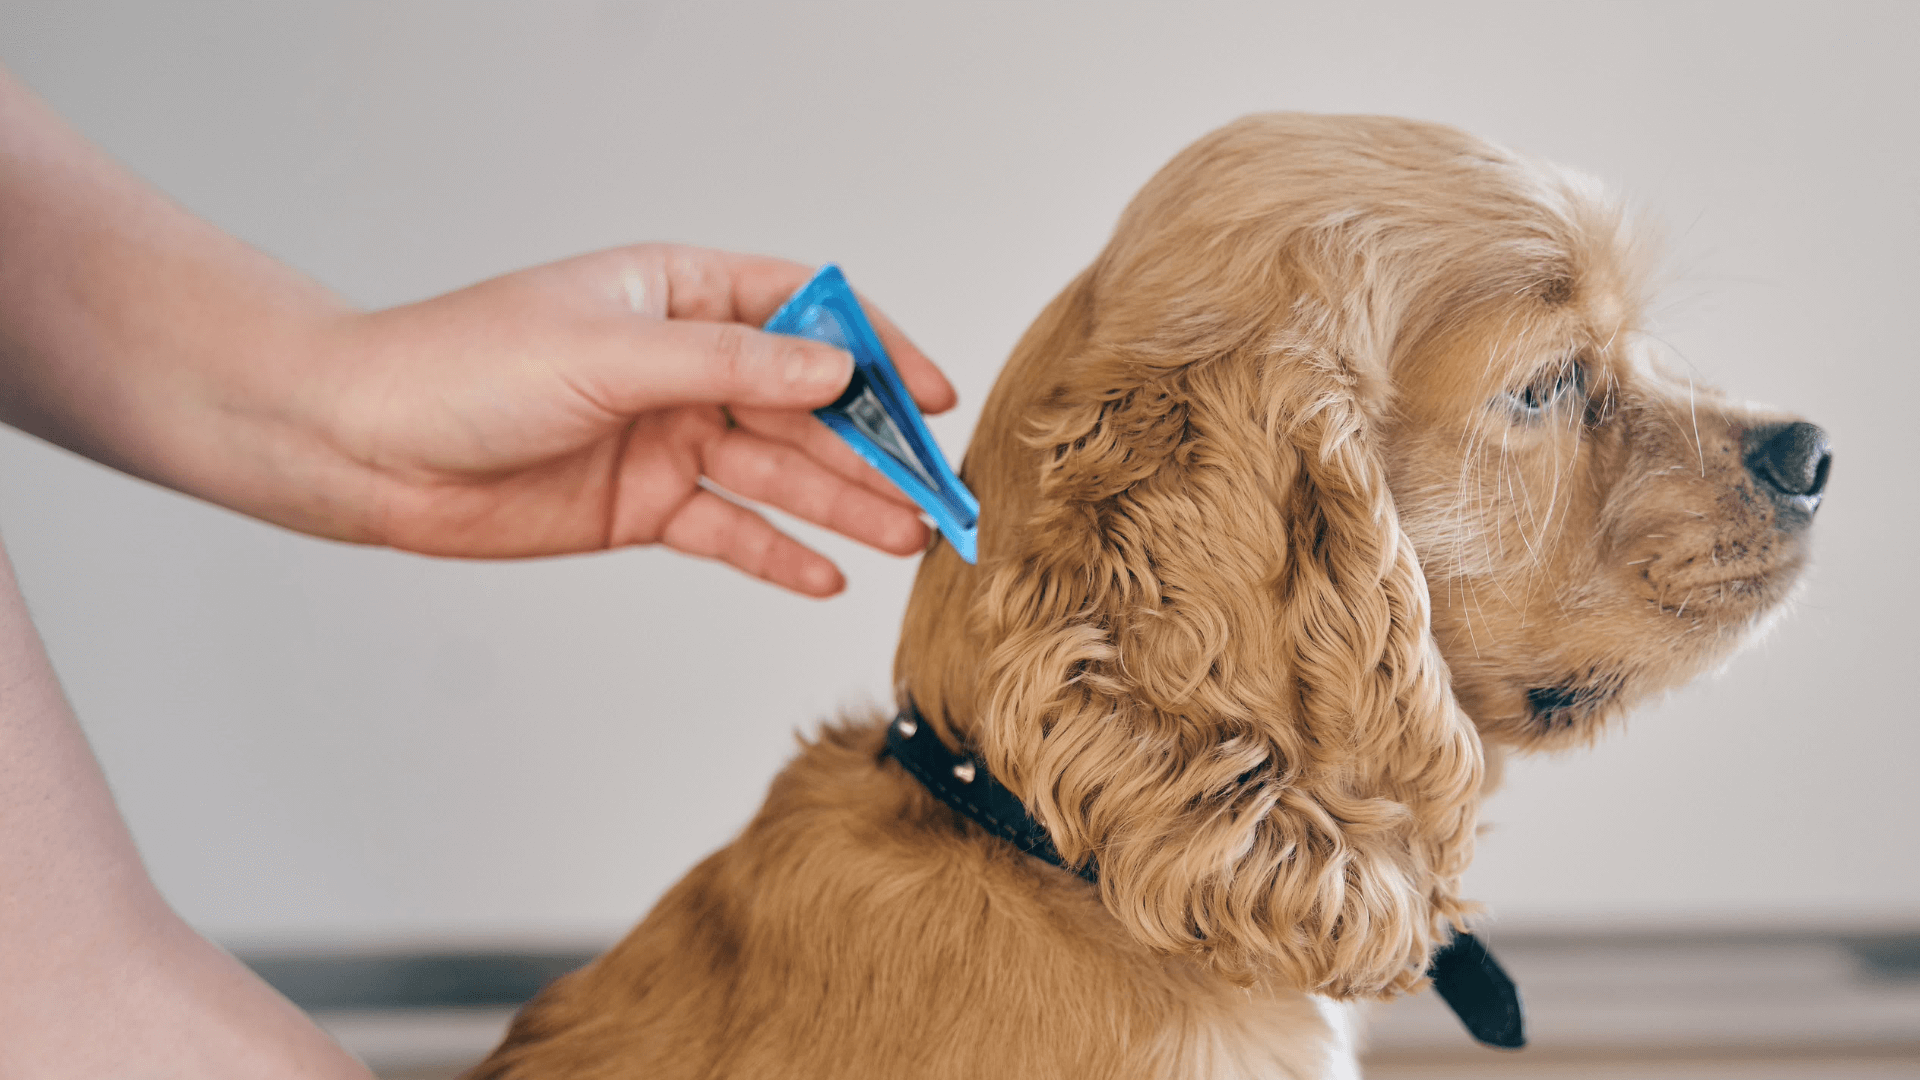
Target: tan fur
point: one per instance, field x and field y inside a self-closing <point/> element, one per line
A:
<point x="1267" y="551"/>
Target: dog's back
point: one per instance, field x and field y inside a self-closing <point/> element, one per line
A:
<point x="859" y="929"/>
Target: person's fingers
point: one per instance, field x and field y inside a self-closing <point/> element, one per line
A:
<point x="782" y="476"/>
<point x="650" y="365"/>
<point x="711" y="527"/>
<point x="804" y="431"/>
<point x="721" y="286"/>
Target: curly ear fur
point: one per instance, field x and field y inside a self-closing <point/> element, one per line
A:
<point x="1199" y="644"/>
<point x="1212" y="672"/>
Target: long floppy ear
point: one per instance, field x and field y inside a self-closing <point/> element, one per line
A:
<point x="1208" y="660"/>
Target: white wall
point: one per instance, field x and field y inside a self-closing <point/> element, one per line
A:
<point x="321" y="742"/>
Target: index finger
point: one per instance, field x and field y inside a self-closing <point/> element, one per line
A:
<point x="706" y="284"/>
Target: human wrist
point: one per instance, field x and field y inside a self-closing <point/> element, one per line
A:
<point x="279" y="444"/>
<point x="241" y="415"/>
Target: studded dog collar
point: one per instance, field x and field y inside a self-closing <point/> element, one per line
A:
<point x="1464" y="973"/>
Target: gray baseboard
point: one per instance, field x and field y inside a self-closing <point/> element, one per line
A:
<point x="322" y="980"/>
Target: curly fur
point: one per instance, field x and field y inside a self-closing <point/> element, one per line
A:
<point x="1342" y="467"/>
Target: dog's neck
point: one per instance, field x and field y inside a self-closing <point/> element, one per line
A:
<point x="941" y="649"/>
<point x="938" y="658"/>
<point x="960" y="781"/>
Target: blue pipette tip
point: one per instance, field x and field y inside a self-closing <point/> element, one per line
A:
<point x="876" y="415"/>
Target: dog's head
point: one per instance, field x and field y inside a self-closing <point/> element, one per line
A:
<point x="1344" y="455"/>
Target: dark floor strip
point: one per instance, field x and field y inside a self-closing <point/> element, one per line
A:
<point x="413" y="980"/>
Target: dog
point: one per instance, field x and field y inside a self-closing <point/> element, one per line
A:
<point x="1342" y="471"/>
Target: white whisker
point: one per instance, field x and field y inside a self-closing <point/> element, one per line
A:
<point x="1699" y="446"/>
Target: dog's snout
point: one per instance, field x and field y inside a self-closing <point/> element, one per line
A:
<point x="1790" y="462"/>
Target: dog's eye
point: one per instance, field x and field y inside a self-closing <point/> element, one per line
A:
<point x="1561" y="384"/>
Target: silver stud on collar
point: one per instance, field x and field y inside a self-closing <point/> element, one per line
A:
<point x="907" y="726"/>
<point x="964" y="772"/>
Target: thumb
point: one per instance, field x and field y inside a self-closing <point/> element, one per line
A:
<point x="682" y="362"/>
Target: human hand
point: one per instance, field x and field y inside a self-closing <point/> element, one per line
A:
<point x="570" y="407"/>
<point x="585" y="405"/>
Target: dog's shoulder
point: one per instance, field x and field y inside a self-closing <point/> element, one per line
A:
<point x="857" y="922"/>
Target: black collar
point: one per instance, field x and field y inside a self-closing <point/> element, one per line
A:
<point x="1464" y="973"/>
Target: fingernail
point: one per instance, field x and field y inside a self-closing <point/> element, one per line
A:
<point x="824" y="367"/>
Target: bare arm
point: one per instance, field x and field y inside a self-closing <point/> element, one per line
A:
<point x="126" y="324"/>
<point x="102" y="978"/>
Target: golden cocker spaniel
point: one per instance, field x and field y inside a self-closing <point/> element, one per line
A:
<point x="1343" y="467"/>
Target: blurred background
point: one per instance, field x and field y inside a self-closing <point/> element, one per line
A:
<point x="364" y="769"/>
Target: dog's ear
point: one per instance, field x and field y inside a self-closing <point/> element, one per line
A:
<point x="1207" y="661"/>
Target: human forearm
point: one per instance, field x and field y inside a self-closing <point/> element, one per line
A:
<point x="140" y="336"/>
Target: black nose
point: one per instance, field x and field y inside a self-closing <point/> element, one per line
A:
<point x="1790" y="461"/>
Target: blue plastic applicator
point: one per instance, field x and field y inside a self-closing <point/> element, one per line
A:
<point x="876" y="415"/>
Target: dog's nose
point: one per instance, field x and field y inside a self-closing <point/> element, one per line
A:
<point x="1790" y="461"/>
